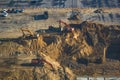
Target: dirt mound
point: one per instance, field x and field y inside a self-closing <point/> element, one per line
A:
<point x="71" y="54"/>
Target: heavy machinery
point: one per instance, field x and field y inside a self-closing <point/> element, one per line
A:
<point x="41" y="16"/>
<point x="45" y="14"/>
<point x="99" y="11"/>
<point x="35" y="2"/>
<point x="73" y="15"/>
<point x="15" y="10"/>
<point x="3" y="13"/>
<point x="53" y="29"/>
<point x="34" y="39"/>
<point x="67" y="27"/>
<point x="40" y="62"/>
<point x="27" y="33"/>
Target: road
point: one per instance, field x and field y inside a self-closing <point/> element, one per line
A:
<point x="61" y="3"/>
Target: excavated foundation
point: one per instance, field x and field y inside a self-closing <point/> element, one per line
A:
<point x="71" y="56"/>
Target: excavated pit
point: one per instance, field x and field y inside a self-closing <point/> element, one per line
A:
<point x="70" y="57"/>
<point x="113" y="51"/>
<point x="49" y="39"/>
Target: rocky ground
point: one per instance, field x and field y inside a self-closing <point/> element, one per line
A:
<point x="92" y="50"/>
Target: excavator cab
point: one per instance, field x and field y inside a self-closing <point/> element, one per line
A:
<point x="46" y="15"/>
<point x="73" y="15"/>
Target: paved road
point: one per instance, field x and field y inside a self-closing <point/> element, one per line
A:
<point x="61" y="3"/>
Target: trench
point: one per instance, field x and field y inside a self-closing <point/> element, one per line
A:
<point x="113" y="51"/>
<point x="49" y="40"/>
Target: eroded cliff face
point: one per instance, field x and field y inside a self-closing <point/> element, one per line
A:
<point x="71" y="54"/>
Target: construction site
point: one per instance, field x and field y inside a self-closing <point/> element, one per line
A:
<point x="41" y="43"/>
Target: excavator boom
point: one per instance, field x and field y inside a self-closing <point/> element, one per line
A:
<point x="67" y="26"/>
<point x="61" y="22"/>
<point x="24" y="31"/>
<point x="41" y="61"/>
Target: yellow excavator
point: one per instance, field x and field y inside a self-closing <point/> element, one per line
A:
<point x="31" y="35"/>
<point x="27" y="34"/>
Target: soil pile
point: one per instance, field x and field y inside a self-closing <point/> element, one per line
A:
<point x="71" y="54"/>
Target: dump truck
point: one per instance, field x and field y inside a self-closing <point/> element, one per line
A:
<point x="15" y="10"/>
<point x="41" y="16"/>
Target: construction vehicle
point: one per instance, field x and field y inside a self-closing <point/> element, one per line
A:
<point x="67" y="27"/>
<point x="73" y="15"/>
<point x="3" y="13"/>
<point x="99" y="11"/>
<point x="53" y="29"/>
<point x="41" y="16"/>
<point x="37" y="39"/>
<point x="35" y="2"/>
<point x="40" y="62"/>
<point x="15" y="10"/>
<point x="28" y="34"/>
<point x="46" y="14"/>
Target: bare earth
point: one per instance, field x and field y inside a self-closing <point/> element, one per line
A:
<point x="92" y="50"/>
<point x="9" y="27"/>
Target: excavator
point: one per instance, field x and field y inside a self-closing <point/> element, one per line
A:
<point x="27" y="34"/>
<point x="40" y="62"/>
<point x="67" y="27"/>
<point x="74" y="15"/>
